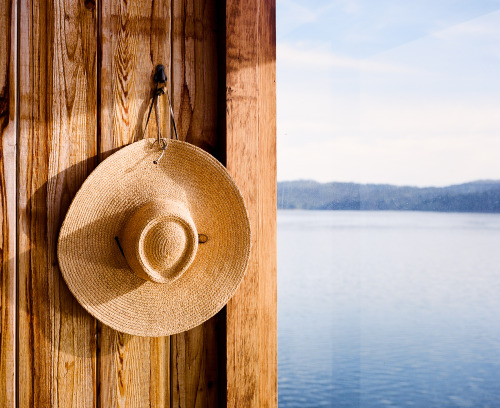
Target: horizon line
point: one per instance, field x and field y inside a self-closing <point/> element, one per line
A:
<point x="394" y="185"/>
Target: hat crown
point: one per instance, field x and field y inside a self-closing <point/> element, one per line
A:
<point x="160" y="240"/>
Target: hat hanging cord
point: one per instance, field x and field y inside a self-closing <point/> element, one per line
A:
<point x="161" y="79"/>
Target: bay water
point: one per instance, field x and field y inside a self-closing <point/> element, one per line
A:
<point x="380" y="309"/>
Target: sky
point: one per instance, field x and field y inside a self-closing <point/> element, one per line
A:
<point x="388" y="91"/>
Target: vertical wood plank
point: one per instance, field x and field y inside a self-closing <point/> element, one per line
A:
<point x="133" y="371"/>
<point x="194" y="72"/>
<point x="251" y="159"/>
<point x="8" y="142"/>
<point x="194" y="354"/>
<point x="242" y="344"/>
<point x="267" y="296"/>
<point x="57" y="143"/>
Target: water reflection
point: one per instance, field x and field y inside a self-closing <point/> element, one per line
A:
<point x="388" y="309"/>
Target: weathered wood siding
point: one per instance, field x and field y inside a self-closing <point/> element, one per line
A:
<point x="75" y="85"/>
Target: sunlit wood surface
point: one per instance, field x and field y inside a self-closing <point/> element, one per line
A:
<point x="76" y="80"/>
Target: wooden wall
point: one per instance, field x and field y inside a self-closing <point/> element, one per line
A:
<point x="75" y="84"/>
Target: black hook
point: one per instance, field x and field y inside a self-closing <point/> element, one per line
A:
<point x="160" y="75"/>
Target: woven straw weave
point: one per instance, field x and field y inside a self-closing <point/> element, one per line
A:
<point x="97" y="272"/>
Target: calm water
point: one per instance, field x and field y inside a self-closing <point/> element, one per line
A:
<point x="381" y="309"/>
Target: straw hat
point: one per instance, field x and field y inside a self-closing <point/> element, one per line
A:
<point x="155" y="249"/>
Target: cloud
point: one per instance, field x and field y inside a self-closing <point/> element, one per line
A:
<point x="418" y="161"/>
<point x="389" y="120"/>
<point x="349" y="6"/>
<point x="295" y="14"/>
<point x="425" y="113"/>
<point x="321" y="59"/>
<point x="484" y="26"/>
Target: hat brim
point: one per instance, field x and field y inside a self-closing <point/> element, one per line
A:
<point x="96" y="271"/>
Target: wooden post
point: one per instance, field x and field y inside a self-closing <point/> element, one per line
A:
<point x="251" y="159"/>
<point x="8" y="177"/>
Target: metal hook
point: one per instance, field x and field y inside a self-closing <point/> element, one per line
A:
<point x="162" y="142"/>
<point x="160" y="77"/>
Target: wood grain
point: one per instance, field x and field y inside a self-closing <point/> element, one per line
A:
<point x="135" y="35"/>
<point x="8" y="229"/>
<point x="194" y="366"/>
<point x="251" y="159"/>
<point x="194" y="354"/>
<point x="58" y="146"/>
<point x="85" y="82"/>
<point x="195" y="72"/>
<point x="268" y="299"/>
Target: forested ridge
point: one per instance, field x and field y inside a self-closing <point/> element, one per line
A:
<point x="477" y="196"/>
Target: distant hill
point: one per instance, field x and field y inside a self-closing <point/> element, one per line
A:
<point x="478" y="196"/>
